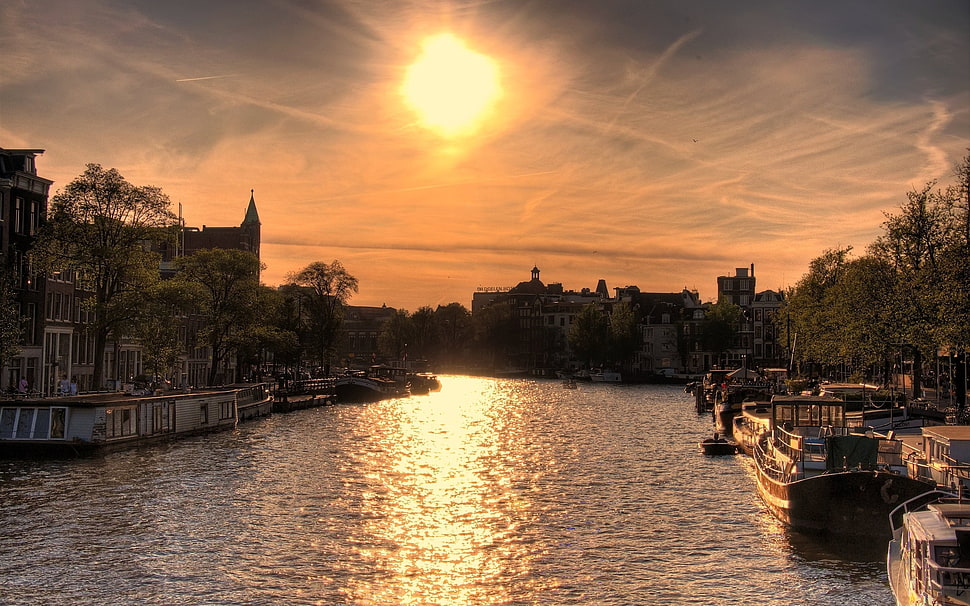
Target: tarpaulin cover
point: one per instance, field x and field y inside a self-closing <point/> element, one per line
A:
<point x="848" y="452"/>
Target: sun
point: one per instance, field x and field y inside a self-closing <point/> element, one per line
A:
<point x="451" y="87"/>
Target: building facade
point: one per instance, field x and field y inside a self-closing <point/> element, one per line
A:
<point x="23" y="205"/>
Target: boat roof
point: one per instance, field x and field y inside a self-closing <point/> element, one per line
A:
<point x="939" y="521"/>
<point x="800" y="399"/>
<point x="848" y="387"/>
<point x="951" y="433"/>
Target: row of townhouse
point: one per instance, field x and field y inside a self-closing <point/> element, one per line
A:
<point x="57" y="352"/>
<point x="670" y="325"/>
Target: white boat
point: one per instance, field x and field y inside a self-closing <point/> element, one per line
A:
<point x="605" y="376"/>
<point x="928" y="561"/>
<point x="748" y="427"/>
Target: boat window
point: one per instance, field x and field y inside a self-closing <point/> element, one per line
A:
<point x="119" y="422"/>
<point x="808" y="415"/>
<point x="784" y="413"/>
<point x="58" y="418"/>
<point x="832" y="415"/>
<point x="42" y="424"/>
<point x="25" y="423"/>
<point x="7" y="416"/>
<point x="947" y="556"/>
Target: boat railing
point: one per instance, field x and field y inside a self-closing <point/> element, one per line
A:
<point x="891" y="453"/>
<point x="770" y="465"/>
<point x="947" y="580"/>
<point x="789" y="443"/>
<point x="918" y="502"/>
<point x="942" y="469"/>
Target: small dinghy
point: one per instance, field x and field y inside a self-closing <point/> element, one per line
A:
<point x="718" y="446"/>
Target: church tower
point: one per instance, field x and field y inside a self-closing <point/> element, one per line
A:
<point x="250" y="226"/>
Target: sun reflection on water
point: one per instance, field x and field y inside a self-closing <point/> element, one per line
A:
<point x="443" y="510"/>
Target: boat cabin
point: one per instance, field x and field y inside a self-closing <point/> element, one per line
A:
<point x="944" y="456"/>
<point x="814" y="435"/>
<point x="88" y="423"/>
<point x="936" y="542"/>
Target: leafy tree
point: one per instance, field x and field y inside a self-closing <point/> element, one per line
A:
<point x="454" y="326"/>
<point x="397" y="333"/>
<point x="495" y="332"/>
<point x="330" y="287"/>
<point x="159" y="324"/>
<point x="589" y="335"/>
<point x="98" y="226"/>
<point x="813" y="332"/>
<point x="624" y="336"/>
<point x="720" y="328"/>
<point x="862" y="305"/>
<point x="262" y="334"/>
<point x="226" y="287"/>
<point x="10" y="319"/>
<point x="425" y="339"/>
<point x="916" y="242"/>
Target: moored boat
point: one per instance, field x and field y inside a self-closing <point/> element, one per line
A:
<point x="748" y="427"/>
<point x="928" y="560"/>
<point x="718" y="446"/>
<point x="817" y="474"/>
<point x="88" y="424"/>
<point x="378" y="383"/>
<point x="422" y="383"/>
<point x="605" y="376"/>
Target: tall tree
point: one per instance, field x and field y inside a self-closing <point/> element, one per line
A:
<point x="397" y="334"/>
<point x="98" y="226"/>
<point x="720" y="328"/>
<point x="159" y="327"/>
<point x="330" y="286"/>
<point x="589" y="335"/>
<point x="226" y="283"/>
<point x="425" y="333"/>
<point x="916" y="242"/>
<point x="624" y="337"/>
<point x="495" y="327"/>
<point x="812" y="330"/>
<point x="454" y="327"/>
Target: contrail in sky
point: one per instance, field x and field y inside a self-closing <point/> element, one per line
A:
<point x="204" y="78"/>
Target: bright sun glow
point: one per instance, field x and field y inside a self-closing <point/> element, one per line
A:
<point x="451" y="87"/>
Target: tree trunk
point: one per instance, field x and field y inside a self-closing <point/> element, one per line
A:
<point x="917" y="373"/>
<point x="100" y="345"/>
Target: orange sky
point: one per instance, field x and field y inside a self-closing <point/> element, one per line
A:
<point x="658" y="144"/>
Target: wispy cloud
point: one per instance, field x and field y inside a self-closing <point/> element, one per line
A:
<point x="657" y="144"/>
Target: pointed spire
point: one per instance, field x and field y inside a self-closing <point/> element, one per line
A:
<point x="251" y="215"/>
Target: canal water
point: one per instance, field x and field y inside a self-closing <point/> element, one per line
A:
<point x="489" y="492"/>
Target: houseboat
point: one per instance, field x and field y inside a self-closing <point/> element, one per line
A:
<point x="87" y="424"/>
<point x="942" y="456"/>
<point x="816" y="473"/>
<point x="928" y="561"/>
<point x="748" y="427"/>
<point x="380" y="382"/>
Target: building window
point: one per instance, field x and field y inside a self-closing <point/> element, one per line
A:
<point x="18" y="215"/>
<point x="34" y="219"/>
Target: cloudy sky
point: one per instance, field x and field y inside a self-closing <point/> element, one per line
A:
<point x="658" y="143"/>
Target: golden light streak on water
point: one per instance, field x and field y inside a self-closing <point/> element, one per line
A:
<point x="448" y="509"/>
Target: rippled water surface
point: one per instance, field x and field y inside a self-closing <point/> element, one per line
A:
<point x="488" y="492"/>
